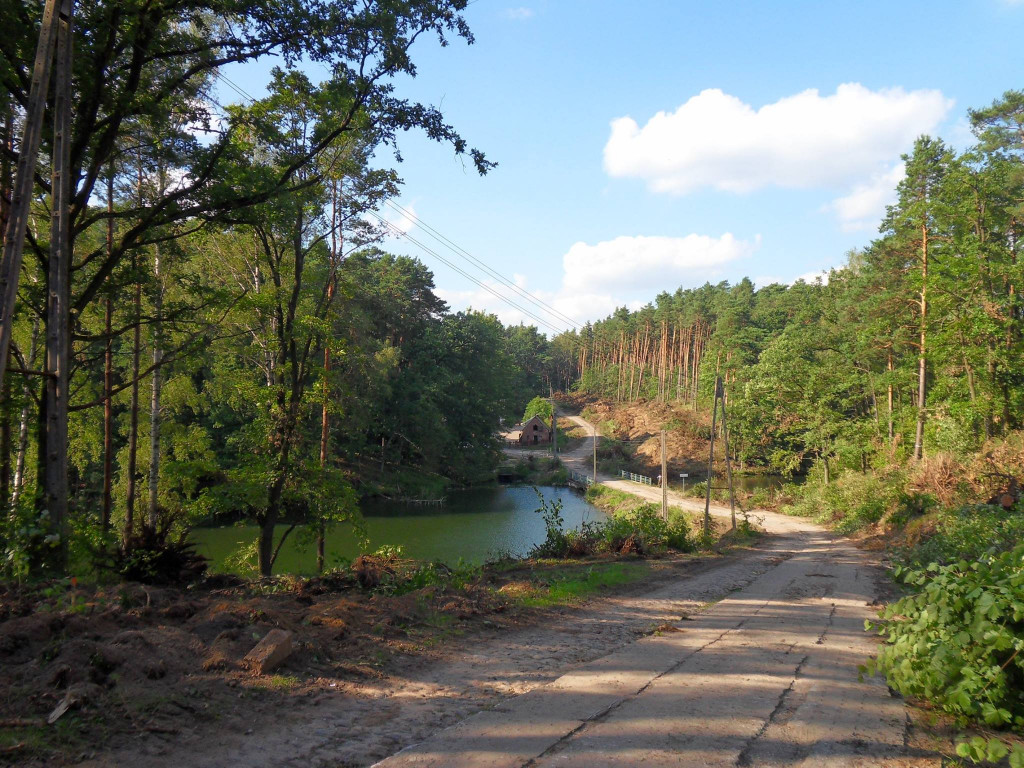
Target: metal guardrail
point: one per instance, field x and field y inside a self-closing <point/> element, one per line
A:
<point x="580" y="478"/>
<point x="642" y="479"/>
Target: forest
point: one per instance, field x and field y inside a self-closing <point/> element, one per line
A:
<point x="909" y="350"/>
<point x="230" y="341"/>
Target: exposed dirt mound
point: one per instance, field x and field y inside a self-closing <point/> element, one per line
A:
<point x="130" y="658"/>
<point x="639" y="426"/>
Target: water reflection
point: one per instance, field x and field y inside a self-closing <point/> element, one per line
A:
<point x="473" y="525"/>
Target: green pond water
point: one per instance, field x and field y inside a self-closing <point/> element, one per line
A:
<point x="473" y="525"/>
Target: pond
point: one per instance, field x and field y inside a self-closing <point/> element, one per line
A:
<point x="473" y="525"/>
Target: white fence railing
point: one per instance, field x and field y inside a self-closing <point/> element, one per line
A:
<point x="642" y="479"/>
<point x="579" y="477"/>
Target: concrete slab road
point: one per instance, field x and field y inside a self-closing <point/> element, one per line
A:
<point x="765" y="677"/>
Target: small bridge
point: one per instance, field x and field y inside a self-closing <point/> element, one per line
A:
<point x="642" y="479"/>
<point x="579" y="480"/>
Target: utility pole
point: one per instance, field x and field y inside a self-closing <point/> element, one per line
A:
<point x="711" y="461"/>
<point x="719" y="398"/>
<point x="664" y="479"/>
<point x="24" y="181"/>
<point x="728" y="462"/>
<point x="595" y="453"/>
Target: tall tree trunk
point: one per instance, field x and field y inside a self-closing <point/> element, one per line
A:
<point x="19" y="464"/>
<point x="133" y="410"/>
<point x="921" y="366"/>
<point x="5" y="442"/>
<point x="889" y="388"/>
<point x="154" y="406"/>
<point x="108" y="372"/>
<point x="325" y="422"/>
<point x="54" y="500"/>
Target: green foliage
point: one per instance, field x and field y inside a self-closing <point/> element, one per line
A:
<point x="571" y="587"/>
<point x="432" y="574"/>
<point x="957" y="642"/>
<point x="851" y="502"/>
<point x="556" y="542"/>
<point x="643" y="523"/>
<point x="630" y="520"/>
<point x="539" y="406"/>
<point x="967" y="533"/>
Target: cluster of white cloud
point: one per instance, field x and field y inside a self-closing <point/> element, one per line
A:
<point x="846" y="141"/>
<point x="520" y="13"/>
<point x="645" y="262"/>
<point x="862" y="207"/>
<point x="807" y="140"/>
<point x="596" y="277"/>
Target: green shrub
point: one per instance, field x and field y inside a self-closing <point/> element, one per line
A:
<point x="957" y="642"/>
<point x="644" y="522"/>
<point x="969" y="533"/>
<point x="556" y="542"/>
<point x="680" y="536"/>
<point x="854" y="501"/>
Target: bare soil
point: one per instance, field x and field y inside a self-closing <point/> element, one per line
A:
<point x="155" y="671"/>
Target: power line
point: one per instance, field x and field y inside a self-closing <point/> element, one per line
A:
<point x="395" y="230"/>
<point x="466" y="255"/>
<point x="457" y="250"/>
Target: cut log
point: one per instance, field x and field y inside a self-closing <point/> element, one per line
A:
<point x="269" y="652"/>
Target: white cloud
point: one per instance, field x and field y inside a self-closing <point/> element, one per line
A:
<point x="575" y="306"/>
<point x="863" y="207"/>
<point x="812" y="277"/>
<point x="521" y="13"/>
<point x="596" y="279"/>
<point x="653" y="263"/>
<point x="805" y="140"/>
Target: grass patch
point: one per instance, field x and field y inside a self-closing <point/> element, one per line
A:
<point x="278" y="682"/>
<point x="567" y="586"/>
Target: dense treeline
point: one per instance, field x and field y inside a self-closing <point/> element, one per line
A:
<point x="913" y="347"/>
<point x="229" y="340"/>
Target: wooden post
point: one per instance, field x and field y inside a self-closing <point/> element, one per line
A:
<point x="711" y="460"/>
<point x="24" y="180"/>
<point x="728" y="462"/>
<point x="58" y="341"/>
<point x="664" y="479"/>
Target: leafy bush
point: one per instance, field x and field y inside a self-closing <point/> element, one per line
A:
<point x="539" y="406"/>
<point x="434" y="574"/>
<point x="968" y="533"/>
<point x="852" y="502"/>
<point x="556" y="542"/>
<point x="957" y="642"/>
<point x="645" y="524"/>
<point x="153" y="557"/>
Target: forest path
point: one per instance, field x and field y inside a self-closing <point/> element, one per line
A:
<point x="765" y="676"/>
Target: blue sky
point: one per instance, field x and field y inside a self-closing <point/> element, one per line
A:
<point x="778" y="141"/>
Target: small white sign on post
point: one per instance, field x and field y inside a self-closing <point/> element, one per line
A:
<point x="684" y="475"/>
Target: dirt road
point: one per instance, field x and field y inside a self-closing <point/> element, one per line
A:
<point x="766" y="676"/>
